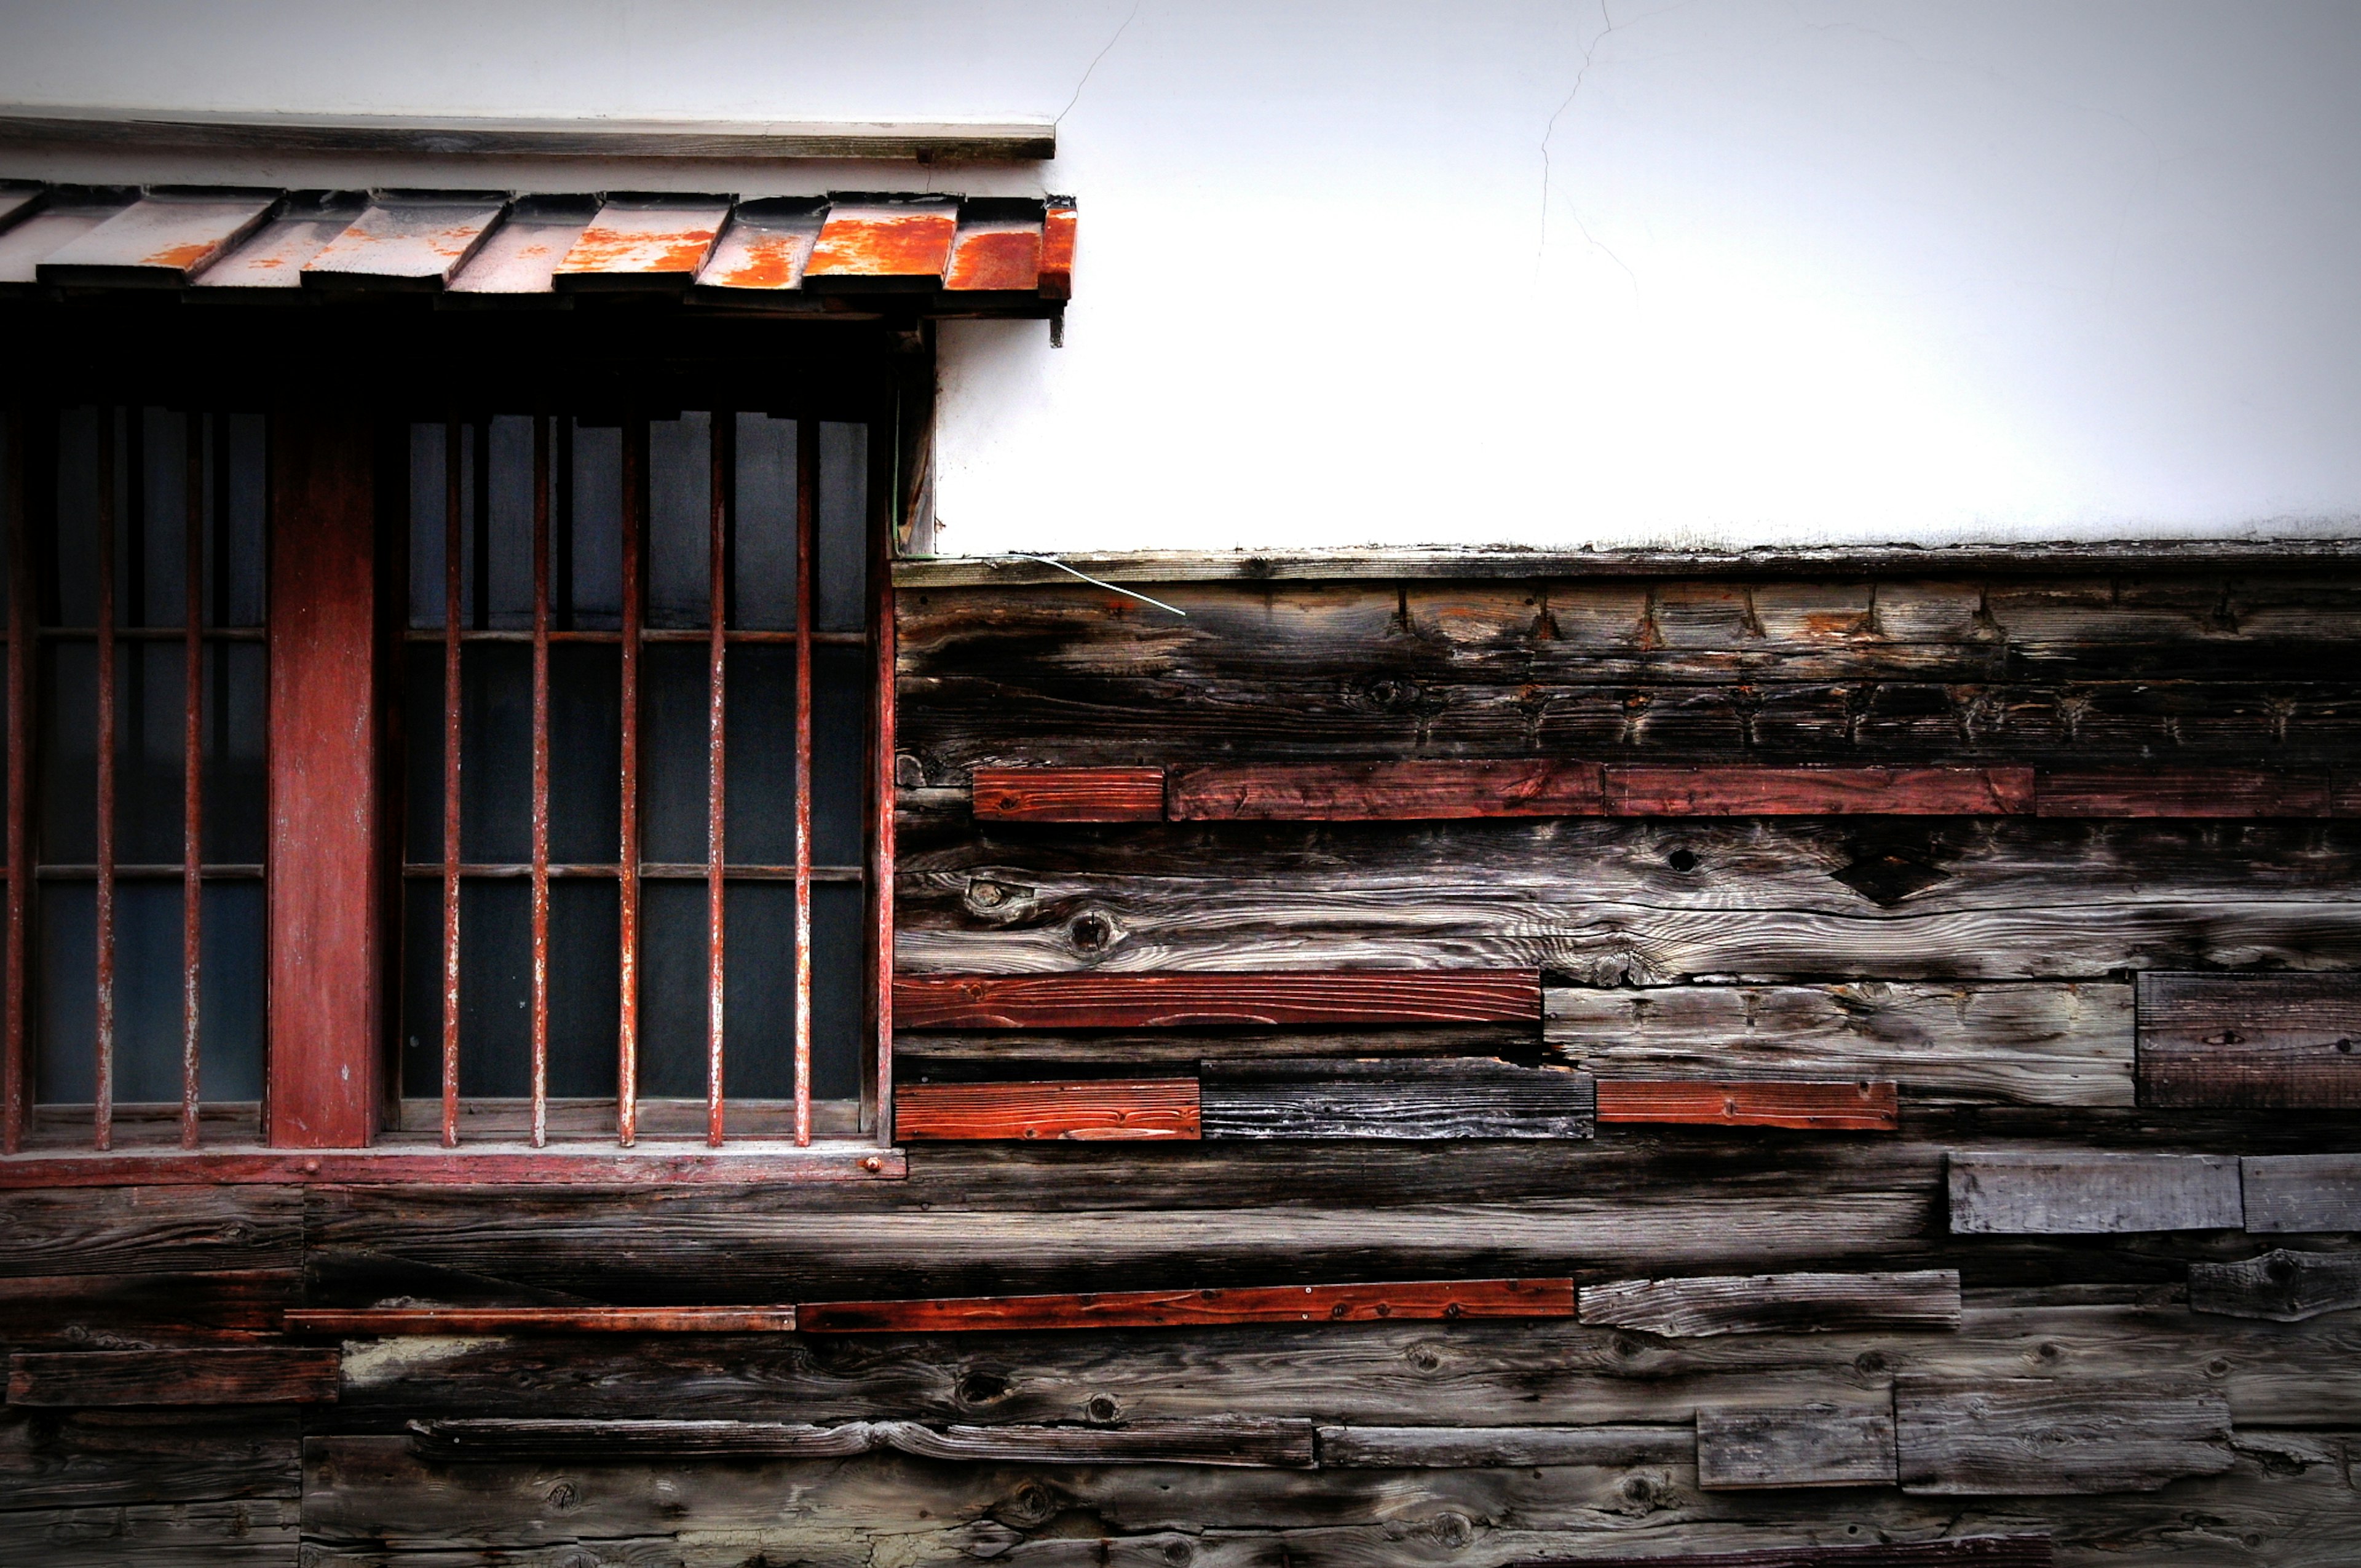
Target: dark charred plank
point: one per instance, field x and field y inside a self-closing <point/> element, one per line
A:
<point x="1794" y="1445"/>
<point x="1983" y="1552"/>
<point x="122" y="1311"/>
<point x="1436" y="1097"/>
<point x="149" y="1230"/>
<point x="1776" y="1303"/>
<point x="366" y="1322"/>
<point x="1473" y="1448"/>
<point x="93" y="1459"/>
<point x="237" y="1532"/>
<point x="2280" y="1287"/>
<point x="2077" y="1193"/>
<point x="103" y="1377"/>
<point x="2262" y="1040"/>
<point x="1069" y="795"/>
<point x="1441" y="1300"/>
<point x="1238" y="1440"/>
<point x="1859" y="1106"/>
<point x="2302" y="1193"/>
<point x="1820" y="791"/>
<point x="1403" y="791"/>
<point x="2030" y="1437"/>
<point x="1137" y="1000"/>
<point x="2183" y="792"/>
<point x="1094" y="1109"/>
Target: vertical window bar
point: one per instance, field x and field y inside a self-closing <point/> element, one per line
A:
<point x="722" y="448"/>
<point x="627" y="892"/>
<point x="20" y="735"/>
<point x="193" y="770"/>
<point x="881" y="873"/>
<point x="452" y="448"/>
<point x="806" y="548"/>
<point x="103" y="1090"/>
<point x="540" y="781"/>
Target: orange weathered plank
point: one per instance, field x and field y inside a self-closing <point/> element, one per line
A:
<point x="1424" y="1301"/>
<point x="1840" y="1107"/>
<point x="1749" y="791"/>
<point x="1154" y="999"/>
<point x="363" y="1321"/>
<point x="1068" y="795"/>
<point x="1383" y="792"/>
<point x="1104" y="1110"/>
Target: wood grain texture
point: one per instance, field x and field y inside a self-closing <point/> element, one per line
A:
<point x="1230" y="1441"/>
<point x="2036" y="1044"/>
<point x="1443" y="1300"/>
<point x="1794" y="1445"/>
<point x="2278" y="1040"/>
<point x="1100" y="1109"/>
<point x="1860" y="1106"/>
<point x="1817" y="791"/>
<point x="1482" y="1448"/>
<point x="2280" y="1287"/>
<point x="2031" y="1437"/>
<point x="1776" y="1303"/>
<point x="2076" y="1194"/>
<point x="2289" y="1194"/>
<point x="102" y="1459"/>
<point x="1984" y="1551"/>
<point x="144" y="1231"/>
<point x="1135" y="1000"/>
<point x="363" y="1322"/>
<point x="401" y="1165"/>
<point x="215" y="1307"/>
<point x="2224" y="792"/>
<point x="1396" y="791"/>
<point x="1069" y="795"/>
<point x="237" y="1532"/>
<point x="1448" y="1097"/>
<point x="206" y="1376"/>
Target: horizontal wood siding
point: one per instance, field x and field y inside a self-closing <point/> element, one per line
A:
<point x="2264" y="1040"/>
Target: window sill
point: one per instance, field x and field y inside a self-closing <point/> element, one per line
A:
<point x="648" y="1164"/>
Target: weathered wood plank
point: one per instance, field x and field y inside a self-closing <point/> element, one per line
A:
<point x="242" y="1533"/>
<point x="2076" y="1194"/>
<point x="1444" y="1300"/>
<point x="2263" y="1040"/>
<point x="1776" y="1303"/>
<point x="1393" y="1098"/>
<point x="1394" y="792"/>
<point x="1817" y="791"/>
<point x="1983" y="1552"/>
<point x="1860" y="1106"/>
<point x="1794" y="1445"/>
<point x="89" y="1459"/>
<point x="1239" y="1441"/>
<point x="514" y="1165"/>
<point x="376" y="1321"/>
<point x="1473" y="1448"/>
<point x="1069" y="795"/>
<point x="137" y="1310"/>
<point x="2298" y="1193"/>
<point x="148" y="1229"/>
<point x="2279" y="1287"/>
<point x="1093" y="1109"/>
<point x="2038" y="1044"/>
<point x="2033" y="1437"/>
<point x="245" y="1376"/>
<point x="2181" y="792"/>
<point x="1135" y="1001"/>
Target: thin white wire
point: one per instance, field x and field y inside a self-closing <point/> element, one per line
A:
<point x="1053" y="561"/>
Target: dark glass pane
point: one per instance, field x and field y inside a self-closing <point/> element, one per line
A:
<point x="840" y="755"/>
<point x="65" y="932"/>
<point x="761" y="751"/>
<point x="843" y="527"/>
<point x="152" y="565"/>
<point x="761" y="991"/>
<point x="584" y="960"/>
<point x="147" y="999"/>
<point x="839" y="985"/>
<point x="237" y="554"/>
<point x="495" y="988"/>
<point x="230" y="1005"/>
<point x="73" y="589"/>
<point x="66" y="712"/>
<point x="422" y="988"/>
<point x="592" y="554"/>
<point x="673" y="731"/>
<point x="508" y="546"/>
<point x="151" y="706"/>
<point x="427" y="504"/>
<point x="422" y="759"/>
<point x="680" y="471"/>
<point x="586" y="752"/>
<point x="672" y="989"/>
<point x="764" y="554"/>
<point x="495" y="753"/>
<point x="235" y="719"/>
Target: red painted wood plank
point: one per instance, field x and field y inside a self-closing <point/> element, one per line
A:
<point x="1068" y="795"/>
<point x="1748" y="791"/>
<point x="372" y="1322"/>
<point x="646" y="1165"/>
<point x="1097" y="1110"/>
<point x="325" y="822"/>
<point x="1381" y="792"/>
<point x="1151" y="999"/>
<point x="2181" y="792"/>
<point x="1418" y="1301"/>
<point x="271" y="1375"/>
<point x="1845" y="1107"/>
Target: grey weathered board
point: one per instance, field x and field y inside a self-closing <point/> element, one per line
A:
<point x="2036" y="1043"/>
<point x="1238" y="1440"/>
<point x="1393" y="1098"/>
<point x="2302" y="1193"/>
<point x="2271" y="1040"/>
<point x="1776" y="1303"/>
<point x="2076" y="1194"/>
<point x="1795" y="1445"/>
<point x="2033" y="1437"/>
<point x="1486" y="1448"/>
<point x="1969" y="1551"/>
<point x="2281" y="1287"/>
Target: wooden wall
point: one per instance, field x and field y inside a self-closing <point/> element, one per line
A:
<point x="2086" y="1293"/>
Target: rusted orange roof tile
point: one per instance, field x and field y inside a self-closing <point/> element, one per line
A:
<point x="766" y="246"/>
<point x="884" y="241"/>
<point x="997" y="248"/>
<point x="407" y="239"/>
<point x="639" y="240"/>
<point x="522" y="255"/>
<point x="274" y="255"/>
<point x="161" y="240"/>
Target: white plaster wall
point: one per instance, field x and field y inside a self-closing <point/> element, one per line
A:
<point x="1687" y="271"/>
